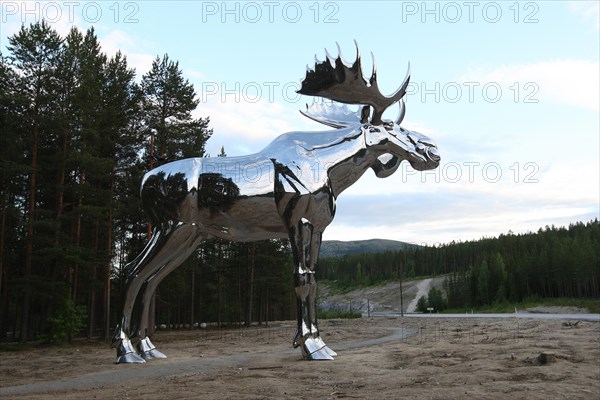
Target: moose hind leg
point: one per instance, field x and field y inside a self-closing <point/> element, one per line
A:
<point x="157" y="253"/>
<point x="134" y="271"/>
<point x="133" y="285"/>
<point x="126" y="353"/>
<point x="146" y="348"/>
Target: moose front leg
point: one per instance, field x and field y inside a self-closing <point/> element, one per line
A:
<point x="305" y="247"/>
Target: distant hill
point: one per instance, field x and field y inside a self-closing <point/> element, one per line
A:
<point x="336" y="248"/>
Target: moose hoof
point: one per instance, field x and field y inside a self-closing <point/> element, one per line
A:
<point x="126" y="353"/>
<point x="148" y="351"/>
<point x="130" y="358"/>
<point x="315" y="349"/>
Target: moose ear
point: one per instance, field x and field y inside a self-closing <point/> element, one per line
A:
<point x="386" y="165"/>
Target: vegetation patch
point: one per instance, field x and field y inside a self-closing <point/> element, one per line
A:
<point x="323" y="314"/>
<point x="592" y="305"/>
<point x="487" y="274"/>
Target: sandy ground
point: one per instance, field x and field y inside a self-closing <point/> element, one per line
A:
<point x="378" y="358"/>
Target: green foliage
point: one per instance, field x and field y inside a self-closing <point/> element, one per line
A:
<point x="457" y="288"/>
<point x="15" y="347"/>
<point x="353" y="271"/>
<point x="553" y="262"/>
<point x="68" y="320"/>
<point x="436" y="300"/>
<point x="592" y="305"/>
<point x="168" y="102"/>
<point x="422" y="304"/>
<point x="233" y="283"/>
<point x="483" y="283"/>
<point x="322" y="314"/>
<point x="75" y="125"/>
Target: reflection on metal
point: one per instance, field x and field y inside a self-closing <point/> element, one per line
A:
<point x="288" y="190"/>
<point x="148" y="350"/>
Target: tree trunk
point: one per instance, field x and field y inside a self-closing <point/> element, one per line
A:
<point x="219" y="293"/>
<point x="3" y="284"/>
<point x="74" y="281"/>
<point x="151" y="166"/>
<point x="248" y="316"/>
<point x="193" y="295"/>
<point x="2" y="226"/>
<point x="267" y="308"/>
<point x="401" y="294"/>
<point x="92" y="301"/>
<point x="30" y="220"/>
<point x="107" y="265"/>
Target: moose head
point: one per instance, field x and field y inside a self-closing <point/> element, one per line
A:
<point x="336" y="80"/>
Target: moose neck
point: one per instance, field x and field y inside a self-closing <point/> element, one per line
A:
<point x="352" y="159"/>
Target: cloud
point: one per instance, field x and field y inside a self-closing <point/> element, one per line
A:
<point x="444" y="216"/>
<point x="465" y="201"/>
<point x="566" y="81"/>
<point x="117" y="40"/>
<point x="63" y="17"/>
<point x="195" y="74"/>
<point x="588" y="10"/>
<point x="246" y="124"/>
<point x="16" y="13"/>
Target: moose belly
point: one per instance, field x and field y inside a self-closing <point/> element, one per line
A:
<point x="245" y="219"/>
<point x="235" y="205"/>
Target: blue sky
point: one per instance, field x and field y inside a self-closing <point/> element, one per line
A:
<point x="508" y="90"/>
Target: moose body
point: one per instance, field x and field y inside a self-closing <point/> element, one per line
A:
<point x="288" y="190"/>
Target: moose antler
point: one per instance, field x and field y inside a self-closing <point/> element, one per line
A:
<point x="333" y="115"/>
<point x="334" y="79"/>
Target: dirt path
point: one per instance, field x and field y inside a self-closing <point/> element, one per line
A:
<point x="378" y="358"/>
<point x="380" y="299"/>
<point x="155" y="369"/>
<point x="422" y="290"/>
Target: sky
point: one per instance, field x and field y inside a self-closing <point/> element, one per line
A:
<point x="508" y="90"/>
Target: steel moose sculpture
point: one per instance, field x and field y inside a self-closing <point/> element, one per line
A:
<point x="287" y="190"/>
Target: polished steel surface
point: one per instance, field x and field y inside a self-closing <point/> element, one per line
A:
<point x="148" y="351"/>
<point x="339" y="81"/>
<point x="287" y="190"/>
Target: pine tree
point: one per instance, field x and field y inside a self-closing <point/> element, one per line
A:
<point x="436" y="300"/>
<point x="121" y="106"/>
<point x="497" y="278"/>
<point x="483" y="279"/>
<point x="422" y="304"/>
<point x="169" y="101"/>
<point x="167" y="106"/>
<point x="35" y="54"/>
<point x="15" y="123"/>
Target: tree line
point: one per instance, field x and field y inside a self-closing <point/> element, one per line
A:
<point x="78" y="133"/>
<point x="550" y="263"/>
